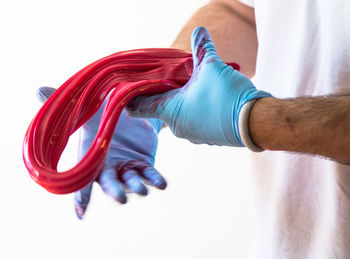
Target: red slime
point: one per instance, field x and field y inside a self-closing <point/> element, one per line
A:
<point x="129" y="73"/>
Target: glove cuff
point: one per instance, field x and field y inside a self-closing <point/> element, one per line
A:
<point x="243" y="126"/>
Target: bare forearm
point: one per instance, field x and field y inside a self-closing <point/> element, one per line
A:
<point x="313" y="125"/>
<point x="232" y="27"/>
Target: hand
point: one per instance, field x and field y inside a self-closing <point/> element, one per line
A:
<point x="207" y="108"/>
<point x="130" y="159"/>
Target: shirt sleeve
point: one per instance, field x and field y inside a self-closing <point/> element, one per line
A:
<point x="248" y="2"/>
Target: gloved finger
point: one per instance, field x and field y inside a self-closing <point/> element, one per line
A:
<point x="150" y="106"/>
<point x="81" y="200"/>
<point x="112" y="186"/>
<point x="133" y="181"/>
<point x="43" y="93"/>
<point x="202" y="46"/>
<point x="154" y="177"/>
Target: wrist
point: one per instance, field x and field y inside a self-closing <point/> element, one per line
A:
<point x="260" y="124"/>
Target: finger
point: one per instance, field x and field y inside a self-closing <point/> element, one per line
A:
<point x="81" y="200"/>
<point x="202" y="46"/>
<point x="154" y="177"/>
<point x="43" y="93"/>
<point x="133" y="181"/>
<point x="150" y="106"/>
<point x="111" y="186"/>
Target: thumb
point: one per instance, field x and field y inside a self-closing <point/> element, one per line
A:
<point x="43" y="93"/>
<point x="203" y="47"/>
<point x="150" y="106"/>
<point x="81" y="200"/>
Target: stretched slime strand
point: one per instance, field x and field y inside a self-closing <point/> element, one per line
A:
<point x="127" y="74"/>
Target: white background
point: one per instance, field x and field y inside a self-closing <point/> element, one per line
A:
<point x="204" y="213"/>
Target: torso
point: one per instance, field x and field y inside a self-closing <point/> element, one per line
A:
<point x="303" y="202"/>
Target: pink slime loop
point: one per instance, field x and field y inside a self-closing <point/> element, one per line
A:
<point x="129" y="73"/>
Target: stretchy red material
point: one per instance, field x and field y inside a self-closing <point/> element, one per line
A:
<point x="128" y="74"/>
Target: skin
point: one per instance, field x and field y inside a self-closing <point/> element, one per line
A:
<point x="312" y="125"/>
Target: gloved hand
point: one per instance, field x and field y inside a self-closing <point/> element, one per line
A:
<point x="207" y="108"/>
<point x="130" y="158"/>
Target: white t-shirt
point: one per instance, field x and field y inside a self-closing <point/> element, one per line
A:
<point x="302" y="203"/>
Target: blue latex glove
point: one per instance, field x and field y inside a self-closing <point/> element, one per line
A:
<point x="207" y="108"/>
<point x="130" y="160"/>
